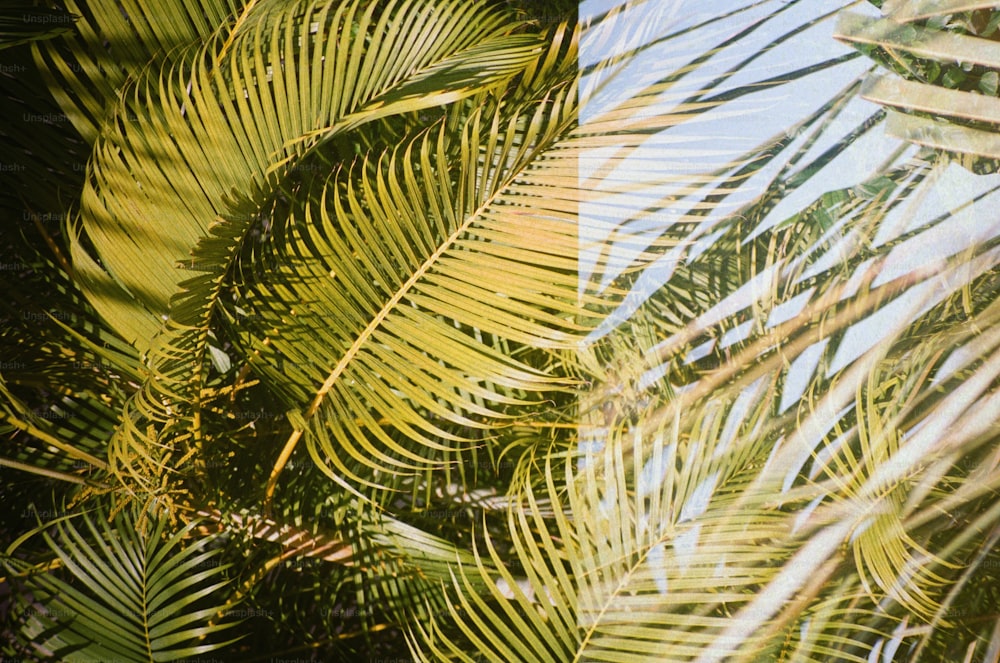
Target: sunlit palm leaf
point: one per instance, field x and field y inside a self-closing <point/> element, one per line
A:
<point x="400" y="303"/>
<point x="243" y="101"/>
<point x="665" y="534"/>
<point x="218" y="119"/>
<point x="693" y="529"/>
<point x="744" y="392"/>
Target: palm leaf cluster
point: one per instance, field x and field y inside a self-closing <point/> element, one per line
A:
<point x="451" y="330"/>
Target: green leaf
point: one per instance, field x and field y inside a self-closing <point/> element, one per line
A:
<point x="989" y="83"/>
<point x="131" y="595"/>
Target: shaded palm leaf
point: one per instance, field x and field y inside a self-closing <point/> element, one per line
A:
<point x="25" y="22"/>
<point x="126" y="595"/>
<point x="115" y="44"/>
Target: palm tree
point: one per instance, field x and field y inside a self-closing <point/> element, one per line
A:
<point x="447" y="329"/>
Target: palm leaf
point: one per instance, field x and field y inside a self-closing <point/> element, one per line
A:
<point x="271" y="114"/>
<point x="688" y="541"/>
<point x="419" y="315"/>
<point x="115" y="43"/>
<point x="125" y="594"/>
<point x="688" y="524"/>
<point x="743" y="392"/>
<point x="407" y="335"/>
<point x="65" y="380"/>
<point x="268" y="113"/>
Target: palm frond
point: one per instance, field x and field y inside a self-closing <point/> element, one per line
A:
<point x="700" y="539"/>
<point x="243" y="101"/>
<point x="115" y="44"/>
<point x="267" y="100"/>
<point x="65" y="376"/>
<point x="393" y="321"/>
<point x="640" y="340"/>
<point x="688" y="523"/>
<point x="153" y="595"/>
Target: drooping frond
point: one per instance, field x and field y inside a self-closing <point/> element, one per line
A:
<point x="416" y="279"/>
<point x="235" y="113"/>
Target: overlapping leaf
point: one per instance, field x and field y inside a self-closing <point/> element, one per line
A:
<point x="384" y="218"/>
<point x="703" y="537"/>
<point x="742" y="482"/>
<point x="217" y="119"/>
<point x="404" y="275"/>
<point x="222" y="127"/>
